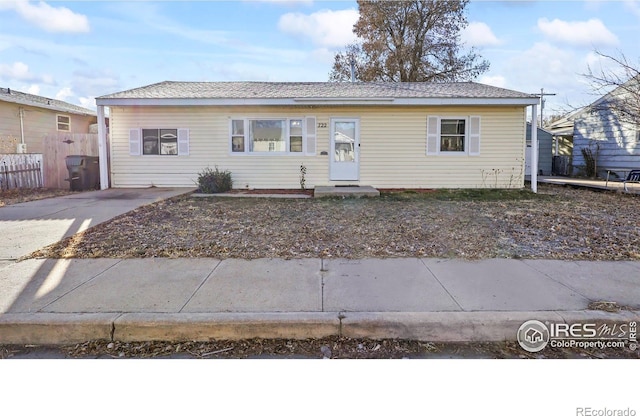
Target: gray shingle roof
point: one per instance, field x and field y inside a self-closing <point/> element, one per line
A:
<point x="327" y="90"/>
<point x="13" y="96"/>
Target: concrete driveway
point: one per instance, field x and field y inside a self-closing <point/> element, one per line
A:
<point x="29" y="226"/>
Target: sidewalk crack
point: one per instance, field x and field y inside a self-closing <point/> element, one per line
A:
<point x="80" y="285"/>
<point x="441" y="285"/>
<point x="200" y="286"/>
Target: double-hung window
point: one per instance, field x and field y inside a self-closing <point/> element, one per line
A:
<point x="453" y="135"/>
<point x="284" y="136"/>
<point x="63" y="122"/>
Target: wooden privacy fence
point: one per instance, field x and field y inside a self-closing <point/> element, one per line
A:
<point x="57" y="147"/>
<point x="22" y="171"/>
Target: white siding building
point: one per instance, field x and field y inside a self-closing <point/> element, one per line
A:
<point x="387" y="135"/>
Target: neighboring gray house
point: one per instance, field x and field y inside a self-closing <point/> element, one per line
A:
<point x="615" y="142"/>
<point x="545" y="146"/>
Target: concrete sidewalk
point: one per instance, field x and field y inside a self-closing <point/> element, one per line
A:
<point x="68" y="301"/>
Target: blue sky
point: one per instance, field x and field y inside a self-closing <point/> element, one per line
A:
<point x="77" y="50"/>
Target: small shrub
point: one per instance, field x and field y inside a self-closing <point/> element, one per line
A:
<point x="211" y="181"/>
<point x="303" y="175"/>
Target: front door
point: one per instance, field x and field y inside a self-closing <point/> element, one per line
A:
<point x="344" y="157"/>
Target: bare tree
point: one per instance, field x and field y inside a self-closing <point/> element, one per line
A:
<point x="410" y="40"/>
<point x="619" y="88"/>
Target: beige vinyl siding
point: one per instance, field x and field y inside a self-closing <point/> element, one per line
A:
<point x="9" y="126"/>
<point x="392" y="148"/>
<point x="38" y="123"/>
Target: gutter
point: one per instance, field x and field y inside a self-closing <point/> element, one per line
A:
<point x="302" y="101"/>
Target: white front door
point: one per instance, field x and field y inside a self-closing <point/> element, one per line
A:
<point x="344" y="157"/>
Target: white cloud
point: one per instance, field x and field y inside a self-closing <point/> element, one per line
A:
<point x="34" y="89"/>
<point x="92" y="81"/>
<point x="325" y="28"/>
<point x="557" y="70"/>
<point x="544" y="65"/>
<point x="48" y="18"/>
<point x="633" y="6"/>
<point x="19" y="71"/>
<point x="64" y="93"/>
<point x="479" y="34"/>
<point x="495" y="80"/>
<point x="589" y="33"/>
<point x="88" y="102"/>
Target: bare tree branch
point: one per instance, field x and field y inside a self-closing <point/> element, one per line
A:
<point x="620" y="88"/>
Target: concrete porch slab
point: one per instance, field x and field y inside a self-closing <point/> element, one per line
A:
<point x="345" y="191"/>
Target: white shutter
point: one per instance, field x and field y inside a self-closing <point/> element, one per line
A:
<point x="311" y="135"/>
<point x="183" y="142"/>
<point x="433" y="128"/>
<point x="474" y="135"/>
<point x="134" y="142"/>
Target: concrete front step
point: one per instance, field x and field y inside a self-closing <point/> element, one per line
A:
<point x="345" y="191"/>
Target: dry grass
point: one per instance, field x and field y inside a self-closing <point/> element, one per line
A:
<point x="557" y="223"/>
<point x="16" y="196"/>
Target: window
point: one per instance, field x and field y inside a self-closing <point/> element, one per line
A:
<point x="295" y="136"/>
<point x="237" y="135"/>
<point x="272" y="136"/>
<point x="63" y="122"/>
<point x="267" y="136"/>
<point x="453" y="135"/>
<point x="159" y="141"/>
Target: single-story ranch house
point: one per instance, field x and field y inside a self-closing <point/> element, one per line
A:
<point x="387" y="135"/>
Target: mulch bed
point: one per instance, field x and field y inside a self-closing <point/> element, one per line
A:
<point x="556" y="223"/>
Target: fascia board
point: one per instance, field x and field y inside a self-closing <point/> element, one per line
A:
<point x="312" y="101"/>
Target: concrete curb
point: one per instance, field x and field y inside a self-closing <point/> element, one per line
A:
<point x="55" y="328"/>
<point x="486" y="326"/>
<point x="229" y="326"/>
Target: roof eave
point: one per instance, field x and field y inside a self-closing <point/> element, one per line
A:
<point x="304" y="101"/>
<point x="51" y="107"/>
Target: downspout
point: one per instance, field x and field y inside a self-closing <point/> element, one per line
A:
<point x="102" y="149"/>
<point x="534" y="148"/>
<point x="21" y="112"/>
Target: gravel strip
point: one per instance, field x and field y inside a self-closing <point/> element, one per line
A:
<point x="557" y="223"/>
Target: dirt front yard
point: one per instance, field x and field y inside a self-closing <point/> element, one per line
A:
<point x="16" y="196"/>
<point x="557" y="223"/>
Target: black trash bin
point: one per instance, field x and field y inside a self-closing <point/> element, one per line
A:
<point x="84" y="172"/>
